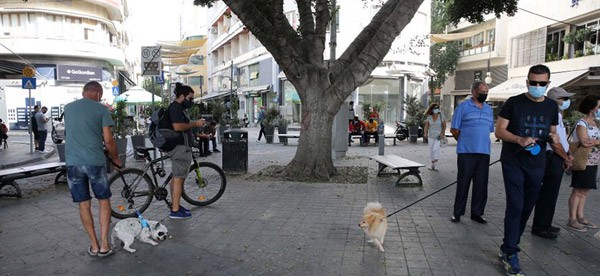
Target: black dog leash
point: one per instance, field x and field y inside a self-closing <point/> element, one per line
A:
<point x="530" y="148"/>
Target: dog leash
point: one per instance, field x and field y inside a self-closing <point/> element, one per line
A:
<point x="534" y="149"/>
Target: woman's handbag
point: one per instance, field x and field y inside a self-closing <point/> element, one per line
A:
<point x="579" y="152"/>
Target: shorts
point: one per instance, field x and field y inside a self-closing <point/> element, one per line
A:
<point x="181" y="160"/>
<point x="585" y="179"/>
<point x="80" y="178"/>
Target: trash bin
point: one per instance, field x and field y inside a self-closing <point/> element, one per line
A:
<point x="235" y="151"/>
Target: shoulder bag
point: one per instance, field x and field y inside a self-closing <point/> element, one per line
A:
<point x="579" y="152"/>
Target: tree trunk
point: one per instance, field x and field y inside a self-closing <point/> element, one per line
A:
<point x="313" y="157"/>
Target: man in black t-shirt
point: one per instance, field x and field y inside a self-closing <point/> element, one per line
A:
<point x="181" y="155"/>
<point x="525" y="120"/>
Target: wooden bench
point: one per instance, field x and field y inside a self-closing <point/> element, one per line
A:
<point x="8" y="176"/>
<point x="284" y="137"/>
<point x="410" y="168"/>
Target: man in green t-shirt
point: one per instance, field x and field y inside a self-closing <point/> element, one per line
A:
<point x="89" y="125"/>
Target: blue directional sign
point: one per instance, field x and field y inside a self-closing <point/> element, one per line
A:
<point x="160" y="80"/>
<point x="115" y="91"/>
<point x="28" y="83"/>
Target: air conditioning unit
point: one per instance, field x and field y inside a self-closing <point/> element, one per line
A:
<point x="594" y="73"/>
<point x="214" y="30"/>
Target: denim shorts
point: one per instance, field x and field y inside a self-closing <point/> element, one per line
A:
<point x="181" y="159"/>
<point x="81" y="177"/>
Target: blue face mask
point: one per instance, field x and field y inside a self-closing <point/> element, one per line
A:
<point x="598" y="113"/>
<point x="537" y="91"/>
<point x="565" y="105"/>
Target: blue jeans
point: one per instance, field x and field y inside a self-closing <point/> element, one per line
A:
<point x="522" y="187"/>
<point x="42" y="135"/>
<point x="80" y="178"/>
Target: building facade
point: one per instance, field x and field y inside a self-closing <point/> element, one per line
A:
<point x="69" y="43"/>
<point x="563" y="36"/>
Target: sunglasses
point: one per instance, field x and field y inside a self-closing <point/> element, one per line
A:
<point x="535" y="83"/>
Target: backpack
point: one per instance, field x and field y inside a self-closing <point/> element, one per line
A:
<point x="161" y="131"/>
<point x="34" y="126"/>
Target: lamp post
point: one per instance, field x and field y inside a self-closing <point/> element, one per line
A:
<point x="231" y="92"/>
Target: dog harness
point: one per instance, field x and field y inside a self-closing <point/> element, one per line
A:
<point x="143" y="221"/>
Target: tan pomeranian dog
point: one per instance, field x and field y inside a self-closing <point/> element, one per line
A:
<point x="374" y="223"/>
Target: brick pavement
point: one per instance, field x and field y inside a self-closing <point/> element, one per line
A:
<point x="286" y="228"/>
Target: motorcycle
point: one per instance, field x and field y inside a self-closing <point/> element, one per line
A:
<point x="401" y="132"/>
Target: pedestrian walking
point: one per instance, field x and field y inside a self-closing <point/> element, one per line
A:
<point x="526" y="120"/>
<point x="181" y="155"/>
<point x="261" y="118"/>
<point x="42" y="128"/>
<point x="472" y="123"/>
<point x="89" y="124"/>
<point x="588" y="134"/>
<point x="546" y="203"/>
<point x="434" y="130"/>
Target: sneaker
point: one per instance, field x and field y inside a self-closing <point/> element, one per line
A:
<point x="216" y="150"/>
<point x="181" y="208"/>
<point x="180" y="214"/>
<point x="511" y="264"/>
<point x="455" y="219"/>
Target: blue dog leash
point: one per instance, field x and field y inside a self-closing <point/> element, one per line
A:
<point x="143" y="221"/>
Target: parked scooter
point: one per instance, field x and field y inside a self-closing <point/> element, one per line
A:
<point x="402" y="131"/>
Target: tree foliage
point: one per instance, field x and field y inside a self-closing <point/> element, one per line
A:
<point x="473" y="10"/>
<point x="443" y="56"/>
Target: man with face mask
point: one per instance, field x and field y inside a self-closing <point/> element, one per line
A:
<point x="181" y="155"/>
<point x="472" y="123"/>
<point x="546" y="203"/>
<point x="89" y="123"/>
<point x="526" y="121"/>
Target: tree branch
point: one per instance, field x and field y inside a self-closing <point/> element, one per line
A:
<point x="322" y="19"/>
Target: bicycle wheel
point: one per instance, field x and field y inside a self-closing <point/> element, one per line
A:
<point x="205" y="186"/>
<point x="124" y="201"/>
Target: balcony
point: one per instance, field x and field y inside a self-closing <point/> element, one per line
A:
<point x="469" y="50"/>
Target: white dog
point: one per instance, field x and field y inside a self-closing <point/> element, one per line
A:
<point x="374" y="223"/>
<point x="128" y="229"/>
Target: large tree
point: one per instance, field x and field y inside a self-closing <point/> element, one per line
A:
<point x="323" y="89"/>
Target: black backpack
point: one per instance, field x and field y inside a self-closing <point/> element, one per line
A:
<point x="161" y="131"/>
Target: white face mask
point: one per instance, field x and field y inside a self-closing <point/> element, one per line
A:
<point x="436" y="111"/>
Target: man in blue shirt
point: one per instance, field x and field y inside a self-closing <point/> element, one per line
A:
<point x="472" y="123"/>
<point x="89" y="125"/>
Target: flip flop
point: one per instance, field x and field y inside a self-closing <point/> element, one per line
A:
<point x="92" y="253"/>
<point x="579" y="228"/>
<point x="106" y="254"/>
<point x="588" y="224"/>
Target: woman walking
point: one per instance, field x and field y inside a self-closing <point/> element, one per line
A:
<point x="435" y="127"/>
<point x="588" y="134"/>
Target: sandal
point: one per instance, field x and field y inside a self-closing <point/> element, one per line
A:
<point x="92" y="253"/>
<point x="574" y="225"/>
<point x="106" y="254"/>
<point x="587" y="224"/>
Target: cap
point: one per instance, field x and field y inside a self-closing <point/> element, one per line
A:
<point x="557" y="93"/>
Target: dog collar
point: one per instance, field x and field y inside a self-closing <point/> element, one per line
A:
<point x="144" y="223"/>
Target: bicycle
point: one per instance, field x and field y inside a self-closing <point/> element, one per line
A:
<point x="133" y="189"/>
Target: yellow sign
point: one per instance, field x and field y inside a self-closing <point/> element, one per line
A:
<point x="28" y="72"/>
<point x="115" y="83"/>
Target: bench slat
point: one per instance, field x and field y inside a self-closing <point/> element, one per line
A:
<point x="32" y="168"/>
<point x="396" y="162"/>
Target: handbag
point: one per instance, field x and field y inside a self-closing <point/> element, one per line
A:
<point x="579" y="152"/>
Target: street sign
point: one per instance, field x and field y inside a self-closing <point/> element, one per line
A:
<point x="28" y="83"/>
<point x="28" y="72"/>
<point x="151" y="62"/>
<point x="160" y="80"/>
<point x="115" y="91"/>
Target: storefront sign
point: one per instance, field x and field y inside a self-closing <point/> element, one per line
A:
<point x="78" y="73"/>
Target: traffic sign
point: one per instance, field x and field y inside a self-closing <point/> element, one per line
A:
<point x="160" y="80"/>
<point x="151" y="62"/>
<point x="28" y="83"/>
<point x="28" y="72"/>
<point x="115" y="83"/>
<point x="115" y="91"/>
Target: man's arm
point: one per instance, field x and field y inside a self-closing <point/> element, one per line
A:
<point x="557" y="147"/>
<point x="455" y="133"/>
<point x="111" y="145"/>
<point x="503" y="134"/>
<point x="188" y="126"/>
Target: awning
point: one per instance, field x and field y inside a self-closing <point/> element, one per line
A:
<point x="437" y="38"/>
<point x="281" y="76"/>
<point x="255" y="89"/>
<point x="517" y="85"/>
<point x="214" y="95"/>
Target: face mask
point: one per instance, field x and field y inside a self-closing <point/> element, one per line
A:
<point x="436" y="111"/>
<point x="481" y="98"/>
<point x="565" y="105"/>
<point x="598" y="113"/>
<point x="537" y="91"/>
<point x="370" y="120"/>
<point x="187" y="103"/>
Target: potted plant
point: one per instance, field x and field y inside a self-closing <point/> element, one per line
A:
<point x="270" y="122"/>
<point x="282" y="125"/>
<point x="121" y="129"/>
<point x="217" y="109"/>
<point x="415" y="117"/>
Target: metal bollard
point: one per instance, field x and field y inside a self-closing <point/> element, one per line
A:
<point x="381" y="140"/>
